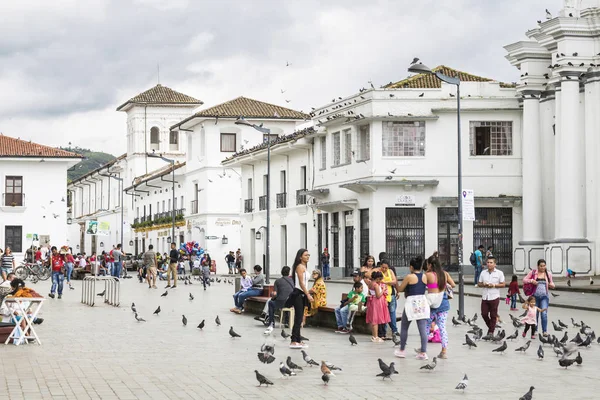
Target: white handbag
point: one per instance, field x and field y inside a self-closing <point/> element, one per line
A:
<point x="416" y="307"/>
<point x="435" y="299"/>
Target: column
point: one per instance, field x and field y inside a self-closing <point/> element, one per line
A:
<point x="532" y="170"/>
<point x="570" y="165"/>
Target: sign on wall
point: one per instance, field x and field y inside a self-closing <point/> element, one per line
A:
<point x="405" y="200"/>
<point x="103" y="228"/>
<point x="468" y="205"/>
<point x="91" y="227"/>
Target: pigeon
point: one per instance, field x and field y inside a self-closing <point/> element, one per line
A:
<point x="540" y="352"/>
<point x="331" y="366"/>
<point x="575" y="324"/>
<point x="517" y="323"/>
<point x="558" y="351"/>
<point x="463" y="384"/>
<point x="138" y="319"/>
<point x="352" y="340"/>
<point x="430" y="367"/>
<point x="157" y="311"/>
<point x="101" y="294"/>
<point x="548" y="16"/>
<point x="578" y="359"/>
<point x="285" y="371"/>
<point x="396" y="340"/>
<point x="474" y="318"/>
<point x="266" y="358"/>
<point x="325" y="379"/>
<point x="524" y="314"/>
<point x="383" y="366"/>
<point x="455" y="322"/>
<point x="560" y="323"/>
<point x="191" y="297"/>
<point x="556" y="327"/>
<point x="529" y="394"/>
<point x="133" y="307"/>
<point x="232" y="333"/>
<point x="385" y="374"/>
<point x="564" y="338"/>
<point x="514" y="335"/>
<point x="577" y="339"/>
<point x="414" y="61"/>
<point x="291" y="364"/>
<point x="307" y="359"/>
<point x="543" y="339"/>
<point x="565" y="362"/>
<point x="524" y="347"/>
<point x="218" y="321"/>
<point x="303" y="339"/>
<point x="469" y="342"/>
<point x="201" y="325"/>
<point x="501" y="349"/>
<point x="569" y="281"/>
<point x="164" y="294"/>
<point x="262" y="379"/>
<point x="325" y="369"/>
<point x="265" y="348"/>
<point x="586" y="343"/>
<point x="285" y="335"/>
<point x="521" y="300"/>
<point x="184" y="320"/>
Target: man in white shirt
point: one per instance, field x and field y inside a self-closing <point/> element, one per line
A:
<point x="491" y="280"/>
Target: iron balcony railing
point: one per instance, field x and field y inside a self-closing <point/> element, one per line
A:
<point x="300" y="197"/>
<point x="194" y="207"/>
<point x="281" y="200"/>
<point x="248" y="205"/>
<point x="13" y="199"/>
<point x="262" y="203"/>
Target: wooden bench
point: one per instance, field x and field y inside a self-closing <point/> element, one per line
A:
<point x="256" y="304"/>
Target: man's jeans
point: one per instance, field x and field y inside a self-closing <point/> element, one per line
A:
<point x="341" y="316"/>
<point x="477" y="273"/>
<point x="57" y="281"/>
<point x="326" y="270"/>
<point x="109" y="268"/>
<point x="240" y="297"/>
<point x="117" y="268"/>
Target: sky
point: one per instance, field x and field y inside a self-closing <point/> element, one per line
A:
<point x="66" y="65"/>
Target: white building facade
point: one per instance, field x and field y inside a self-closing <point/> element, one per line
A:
<point x="33" y="210"/>
<point x="560" y="85"/>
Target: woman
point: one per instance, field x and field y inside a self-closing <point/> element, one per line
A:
<point x="414" y="286"/>
<point x="7" y="262"/>
<point x="542" y="279"/>
<point x="300" y="297"/>
<point x="437" y="279"/>
<point x="20" y="291"/>
<point x="319" y="295"/>
<point x="70" y="262"/>
<point x="367" y="266"/>
<point x="389" y="278"/>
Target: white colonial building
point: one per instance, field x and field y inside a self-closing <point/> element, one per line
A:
<point x="560" y="85"/>
<point x="33" y="209"/>
<point x="380" y="174"/>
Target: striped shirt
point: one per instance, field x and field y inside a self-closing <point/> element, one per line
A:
<point x="7" y="261"/>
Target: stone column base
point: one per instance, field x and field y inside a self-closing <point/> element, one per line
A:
<point x="575" y="255"/>
<point x="526" y="255"/>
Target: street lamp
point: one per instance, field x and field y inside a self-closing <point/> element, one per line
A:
<point x="267" y="131"/>
<point x="224" y="240"/>
<point x="423" y="69"/>
<point x="172" y="162"/>
<point x="258" y="235"/>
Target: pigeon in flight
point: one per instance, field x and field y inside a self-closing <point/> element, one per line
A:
<point x="352" y="340"/>
<point x="138" y="319"/>
<point x="292" y="365"/>
<point x="284" y="335"/>
<point x="262" y="380"/>
<point x="501" y="349"/>
<point x="463" y="384"/>
<point x="265" y="357"/>
<point x="430" y="367"/>
<point x="469" y="342"/>
<point x="218" y="321"/>
<point x="540" y="353"/>
<point x="133" y="307"/>
<point x="529" y="394"/>
<point x="157" y="311"/>
<point x="191" y="297"/>
<point x="101" y="293"/>
<point x="307" y="359"/>
<point x="201" y="325"/>
<point x="184" y="320"/>
<point x="524" y="347"/>
<point x="285" y="371"/>
<point x="232" y="333"/>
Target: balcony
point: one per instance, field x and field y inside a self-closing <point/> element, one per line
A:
<point x="13" y="199"/>
<point x="194" y="206"/>
<point x="248" y="205"/>
<point x="262" y="203"/>
<point x="300" y="197"/>
<point x="282" y="200"/>
<point x="136" y="220"/>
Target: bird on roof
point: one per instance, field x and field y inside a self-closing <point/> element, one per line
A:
<point x="414" y="61"/>
<point x="548" y="14"/>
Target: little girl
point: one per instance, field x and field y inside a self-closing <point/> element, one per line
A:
<point x="530" y="318"/>
<point x="377" y="309"/>
<point x="513" y="291"/>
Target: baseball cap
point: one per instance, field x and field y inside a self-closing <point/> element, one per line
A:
<point x="355" y="273"/>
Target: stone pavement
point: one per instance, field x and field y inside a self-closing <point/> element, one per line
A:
<point x="103" y="353"/>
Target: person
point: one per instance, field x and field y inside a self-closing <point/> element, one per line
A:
<point x="325" y="256"/>
<point x="414" y="286"/>
<point x="69" y="265"/>
<point x="93" y="262"/>
<point x="149" y="262"/>
<point x="117" y="255"/>
<point x="367" y="266"/>
<point x="347" y="314"/>
<point x="238" y="260"/>
<point x="7" y="262"/>
<point x="10" y="311"/>
<point x="181" y="266"/>
<point x="354" y="303"/>
<point x="490" y="280"/>
<point x="282" y="288"/>
<point x="300" y="296"/>
<point x="542" y="279"/>
<point x="230" y="261"/>
<point x="57" y="262"/>
<point x="377" y="310"/>
<point x="530" y="319"/>
<point x="38" y="255"/>
<point x="255" y="288"/>
<point x="205" y="272"/>
<point x="479" y="263"/>
<point x="319" y="295"/>
<point x="389" y="278"/>
<point x="437" y="279"/>
<point x="172" y="270"/>
<point x="489" y="252"/>
<point x="245" y="284"/>
<point x="29" y="254"/>
<point x="434" y="333"/>
<point x="513" y="292"/>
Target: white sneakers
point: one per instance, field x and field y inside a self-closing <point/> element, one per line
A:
<point x="269" y="330"/>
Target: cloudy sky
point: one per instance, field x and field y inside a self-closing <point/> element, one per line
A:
<point x="65" y="65"/>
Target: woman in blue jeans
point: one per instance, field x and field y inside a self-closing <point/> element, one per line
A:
<point x="255" y="290"/>
<point x="542" y="279"/>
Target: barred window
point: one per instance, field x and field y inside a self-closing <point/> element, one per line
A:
<point x="347" y="146"/>
<point x="490" y="138"/>
<point x="336" y="149"/>
<point x="323" y="152"/>
<point x="364" y="143"/>
<point x="403" y="139"/>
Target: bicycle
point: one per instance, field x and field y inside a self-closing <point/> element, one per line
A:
<point x="37" y="271"/>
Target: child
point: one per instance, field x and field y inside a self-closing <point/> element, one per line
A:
<point x="513" y="291"/>
<point x="344" y="314"/>
<point x="377" y="310"/>
<point x="434" y="333"/>
<point x="530" y="318"/>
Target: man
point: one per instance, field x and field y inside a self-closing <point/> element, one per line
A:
<point x="173" y="258"/>
<point x="238" y="260"/>
<point x="478" y="262"/>
<point x="57" y="262"/>
<point x="38" y="255"/>
<point x="245" y="286"/>
<point x="325" y="256"/>
<point x="282" y="288"/>
<point x="344" y="314"/>
<point x="149" y="262"/>
<point x="230" y="260"/>
<point x="117" y="255"/>
<point x="491" y="280"/>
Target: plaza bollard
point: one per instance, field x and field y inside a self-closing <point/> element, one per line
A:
<point x="111" y="290"/>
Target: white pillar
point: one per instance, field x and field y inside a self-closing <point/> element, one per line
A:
<point x="547" y="136"/>
<point x="570" y="165"/>
<point x="532" y="171"/>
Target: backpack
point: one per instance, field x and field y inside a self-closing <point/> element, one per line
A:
<point x="473" y="260"/>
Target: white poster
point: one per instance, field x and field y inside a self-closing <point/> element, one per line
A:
<point x="468" y="205"/>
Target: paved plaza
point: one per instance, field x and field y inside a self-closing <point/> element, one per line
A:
<point x="101" y="352"/>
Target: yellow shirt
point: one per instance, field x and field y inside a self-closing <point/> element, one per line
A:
<point x="388" y="277"/>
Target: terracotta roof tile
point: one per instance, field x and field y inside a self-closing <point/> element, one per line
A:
<point x="429" y="81"/>
<point x="11" y="147"/>
<point x="281" y="139"/>
<point x="160" y="94"/>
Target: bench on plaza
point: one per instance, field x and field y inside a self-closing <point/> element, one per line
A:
<point x="80" y="273"/>
<point x="256" y="304"/>
<point x="6" y="329"/>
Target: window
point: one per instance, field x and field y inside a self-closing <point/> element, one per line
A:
<point x="493" y="227"/>
<point x="303" y="235"/>
<point x="13" y="238"/>
<point x="364" y="143"/>
<point x="323" y="152"/>
<point x="336" y="149"/>
<point x="228" y="144"/>
<point x="335" y="237"/>
<point x="272" y="136"/>
<point x="404" y="236"/>
<point x="249" y="188"/>
<point x="403" y="139"/>
<point x="284" y="243"/>
<point x="13" y="189"/>
<point x="491" y="138"/>
<point x="173" y="140"/>
<point x="154" y="138"/>
<point x="364" y="233"/>
<point x="169" y="209"/>
<point x="347" y="146"/>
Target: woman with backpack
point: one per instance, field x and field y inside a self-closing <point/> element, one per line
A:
<point x="536" y="284"/>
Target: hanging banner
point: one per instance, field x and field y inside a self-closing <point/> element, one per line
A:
<point x="91" y="227"/>
<point x="103" y="228"/>
<point x="468" y="205"/>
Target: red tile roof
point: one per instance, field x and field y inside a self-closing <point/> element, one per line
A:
<point x="429" y="81"/>
<point x="11" y="147"/>
<point x="160" y="94"/>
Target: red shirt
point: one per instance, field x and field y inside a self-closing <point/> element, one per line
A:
<point x="38" y="255"/>
<point x="70" y="258"/>
<point x="513" y="288"/>
<point x="57" y="263"/>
